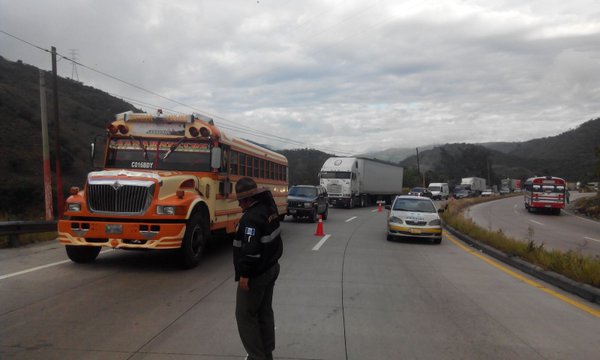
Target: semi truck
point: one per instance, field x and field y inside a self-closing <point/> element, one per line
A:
<point x="509" y="185"/>
<point x="475" y="185"/>
<point x="355" y="181"/>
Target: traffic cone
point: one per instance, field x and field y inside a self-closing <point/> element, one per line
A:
<point x="379" y="206"/>
<point x="319" y="231"/>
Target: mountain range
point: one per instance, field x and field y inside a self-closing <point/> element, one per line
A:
<point x="85" y="112"/>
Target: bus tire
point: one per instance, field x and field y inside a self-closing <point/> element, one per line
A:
<point x="82" y="254"/>
<point x="194" y="241"/>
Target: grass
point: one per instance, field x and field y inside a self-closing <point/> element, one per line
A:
<point x="572" y="264"/>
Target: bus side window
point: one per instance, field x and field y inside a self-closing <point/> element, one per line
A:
<point x="224" y="159"/>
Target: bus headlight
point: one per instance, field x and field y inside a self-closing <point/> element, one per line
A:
<point x="436" y="222"/>
<point x="166" y="210"/>
<point x="73" y="207"/>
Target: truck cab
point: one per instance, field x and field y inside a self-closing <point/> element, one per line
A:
<point x="339" y="177"/>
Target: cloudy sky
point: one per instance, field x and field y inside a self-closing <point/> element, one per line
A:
<point x="342" y="76"/>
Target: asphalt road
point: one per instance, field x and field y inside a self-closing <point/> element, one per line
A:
<point x="563" y="232"/>
<point x="349" y="295"/>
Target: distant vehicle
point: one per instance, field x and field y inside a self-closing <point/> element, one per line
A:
<point x="420" y="191"/>
<point x="509" y="185"/>
<point x="360" y="182"/>
<point x="439" y="191"/>
<point x="545" y="193"/>
<point x="474" y="184"/>
<point x="487" y="192"/>
<point x="462" y="193"/>
<point x="308" y="201"/>
<point x="414" y="216"/>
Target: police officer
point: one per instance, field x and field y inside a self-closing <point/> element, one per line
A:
<point x="256" y="249"/>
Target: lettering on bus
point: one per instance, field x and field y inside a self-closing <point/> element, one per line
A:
<point x="142" y="164"/>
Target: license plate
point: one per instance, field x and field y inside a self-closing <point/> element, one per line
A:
<point x="415" y="231"/>
<point x="113" y="229"/>
<point x="292" y="211"/>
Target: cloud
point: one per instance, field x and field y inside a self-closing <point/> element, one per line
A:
<point x="344" y="76"/>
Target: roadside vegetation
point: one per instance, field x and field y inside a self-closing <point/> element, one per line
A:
<point x="572" y="264"/>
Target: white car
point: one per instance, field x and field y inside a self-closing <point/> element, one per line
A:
<point x="414" y="217"/>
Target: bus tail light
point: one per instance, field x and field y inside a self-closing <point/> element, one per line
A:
<point x="112" y="129"/>
<point x="123" y="129"/>
<point x="194" y="131"/>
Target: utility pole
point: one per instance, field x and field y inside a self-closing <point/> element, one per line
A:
<point x="46" y="149"/>
<point x="59" y="189"/>
<point x="419" y="168"/>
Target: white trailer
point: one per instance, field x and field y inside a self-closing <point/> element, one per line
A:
<point x="474" y="184"/>
<point x="352" y="181"/>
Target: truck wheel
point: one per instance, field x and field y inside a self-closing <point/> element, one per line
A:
<point x="314" y="217"/>
<point x="194" y="241"/>
<point x="351" y="203"/>
<point x="326" y="213"/>
<point x="82" y="254"/>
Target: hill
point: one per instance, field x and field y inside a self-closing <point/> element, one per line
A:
<point x="84" y="112"/>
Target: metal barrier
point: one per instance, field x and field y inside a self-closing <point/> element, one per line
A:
<point x="15" y="228"/>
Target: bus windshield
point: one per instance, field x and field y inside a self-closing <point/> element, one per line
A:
<point x="335" y="175"/>
<point x="146" y="154"/>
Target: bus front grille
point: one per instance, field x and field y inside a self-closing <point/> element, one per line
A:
<point x="123" y="199"/>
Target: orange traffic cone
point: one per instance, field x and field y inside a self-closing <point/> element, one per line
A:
<point x="319" y="231"/>
<point x="379" y="206"/>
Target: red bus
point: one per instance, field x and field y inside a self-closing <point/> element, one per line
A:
<point x="545" y="193"/>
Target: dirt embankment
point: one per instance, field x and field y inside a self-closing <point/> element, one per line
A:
<point x="587" y="206"/>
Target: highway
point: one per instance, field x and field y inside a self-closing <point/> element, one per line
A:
<point x="348" y="295"/>
<point x="563" y="232"/>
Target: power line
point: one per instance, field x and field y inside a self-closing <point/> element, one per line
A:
<point x="237" y="127"/>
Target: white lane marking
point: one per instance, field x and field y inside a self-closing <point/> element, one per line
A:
<point x="320" y="243"/>
<point x="535" y="222"/>
<point x="352" y="218"/>
<point x="589" y="238"/>
<point x="374" y="210"/>
<point x="2" y="277"/>
<point x="32" y="269"/>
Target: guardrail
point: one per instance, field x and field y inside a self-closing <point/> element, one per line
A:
<point x="15" y="228"/>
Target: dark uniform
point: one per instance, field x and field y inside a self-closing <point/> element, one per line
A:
<point x="256" y="250"/>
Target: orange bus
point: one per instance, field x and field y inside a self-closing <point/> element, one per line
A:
<point x="166" y="182"/>
<point x="545" y="193"/>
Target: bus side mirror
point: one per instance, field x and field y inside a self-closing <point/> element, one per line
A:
<point x="215" y="160"/>
<point x="97" y="163"/>
<point x="93" y="152"/>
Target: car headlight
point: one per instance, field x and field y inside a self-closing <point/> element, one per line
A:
<point x="74" y="207"/>
<point x="435" y="222"/>
<point x="308" y="204"/>
<point x="395" y="219"/>
<point x="166" y="210"/>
